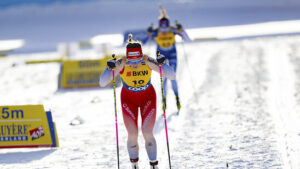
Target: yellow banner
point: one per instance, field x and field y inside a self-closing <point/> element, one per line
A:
<point x="26" y="126"/>
<point x="81" y="73"/>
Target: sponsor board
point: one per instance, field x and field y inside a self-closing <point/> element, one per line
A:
<point x="82" y="73"/>
<point x="27" y="126"/>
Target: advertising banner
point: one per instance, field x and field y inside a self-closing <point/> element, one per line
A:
<point x="27" y="126"/>
<point x="81" y="73"/>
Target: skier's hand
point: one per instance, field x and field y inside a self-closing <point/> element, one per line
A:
<point x="160" y="58"/>
<point x="150" y="29"/>
<point x="111" y="63"/>
<point x="179" y="26"/>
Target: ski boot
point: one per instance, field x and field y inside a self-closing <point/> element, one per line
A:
<point x="153" y="164"/>
<point x="134" y="163"/>
<point x="178" y="104"/>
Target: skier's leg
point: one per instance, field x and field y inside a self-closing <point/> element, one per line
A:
<point x="173" y="64"/>
<point x="165" y="86"/>
<point x="130" y="118"/>
<point x="148" y="111"/>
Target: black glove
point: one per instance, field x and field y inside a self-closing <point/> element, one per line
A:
<point x="160" y="58"/>
<point x="150" y="29"/>
<point x="179" y="26"/>
<point x="111" y="63"/>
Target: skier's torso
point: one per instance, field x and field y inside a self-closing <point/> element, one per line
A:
<point x="166" y="42"/>
<point x="136" y="80"/>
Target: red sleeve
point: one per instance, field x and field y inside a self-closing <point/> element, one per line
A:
<point x="122" y="71"/>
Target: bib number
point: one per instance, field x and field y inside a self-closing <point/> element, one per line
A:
<point x="138" y="82"/>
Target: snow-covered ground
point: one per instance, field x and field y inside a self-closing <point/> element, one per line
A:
<point x="240" y="107"/>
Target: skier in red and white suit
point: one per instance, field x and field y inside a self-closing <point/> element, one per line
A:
<point x="138" y="94"/>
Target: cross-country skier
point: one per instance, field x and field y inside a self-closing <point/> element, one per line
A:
<point x="138" y="94"/>
<point x="164" y="36"/>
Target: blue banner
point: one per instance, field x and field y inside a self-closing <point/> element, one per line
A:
<point x="140" y="35"/>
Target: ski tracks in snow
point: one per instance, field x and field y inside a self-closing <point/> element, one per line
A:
<point x="238" y="122"/>
<point x="246" y="114"/>
<point x="283" y="97"/>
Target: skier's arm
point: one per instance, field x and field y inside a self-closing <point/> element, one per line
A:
<point x="152" y="33"/>
<point x="150" y="30"/>
<point x="106" y="76"/>
<point x="167" y="71"/>
<point x="181" y="32"/>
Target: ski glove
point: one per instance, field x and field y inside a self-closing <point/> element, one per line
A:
<point x="150" y="29"/>
<point x="111" y="64"/>
<point x="179" y="26"/>
<point x="161" y="59"/>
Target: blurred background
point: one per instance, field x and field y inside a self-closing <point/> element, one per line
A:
<point x="43" y="24"/>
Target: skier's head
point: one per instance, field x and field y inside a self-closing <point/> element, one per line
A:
<point x="163" y="18"/>
<point x="164" y="23"/>
<point x="133" y="50"/>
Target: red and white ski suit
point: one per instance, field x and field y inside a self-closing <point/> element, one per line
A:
<point x="138" y="94"/>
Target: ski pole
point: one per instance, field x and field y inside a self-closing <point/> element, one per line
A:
<point x="164" y="108"/>
<point x="116" y="116"/>
<point x="191" y="79"/>
<point x="187" y="65"/>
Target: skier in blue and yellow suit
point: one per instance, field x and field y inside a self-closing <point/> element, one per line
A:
<point x="164" y="36"/>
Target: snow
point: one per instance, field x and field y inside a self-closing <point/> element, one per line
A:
<point x="239" y="107"/>
<point x="250" y="30"/>
<point x="111" y="39"/>
<point x="240" y="101"/>
<point x="6" y="45"/>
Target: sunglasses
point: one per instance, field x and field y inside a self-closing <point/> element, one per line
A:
<point x="134" y="62"/>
